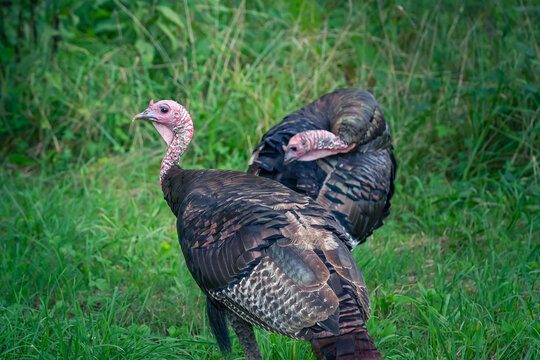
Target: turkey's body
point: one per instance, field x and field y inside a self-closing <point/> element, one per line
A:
<point x="267" y="256"/>
<point x="356" y="187"/>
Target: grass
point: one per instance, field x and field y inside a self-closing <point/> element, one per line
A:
<point x="88" y="251"/>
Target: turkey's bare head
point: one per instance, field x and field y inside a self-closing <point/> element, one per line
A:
<point x="295" y="149"/>
<point x="168" y="117"/>
<point x="174" y="124"/>
<point x="312" y="145"/>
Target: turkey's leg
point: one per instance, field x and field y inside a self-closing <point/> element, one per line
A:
<point x="246" y="336"/>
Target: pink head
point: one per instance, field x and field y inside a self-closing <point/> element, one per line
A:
<point x="174" y="124"/>
<point x="296" y="148"/>
<point x="312" y="145"/>
<point x="169" y="118"/>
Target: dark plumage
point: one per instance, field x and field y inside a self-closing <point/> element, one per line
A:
<point x="356" y="182"/>
<point x="263" y="254"/>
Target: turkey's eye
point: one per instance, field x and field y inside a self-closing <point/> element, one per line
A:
<point x="164" y="109"/>
<point x="293" y="148"/>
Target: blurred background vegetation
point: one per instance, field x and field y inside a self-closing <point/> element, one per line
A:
<point x="90" y="264"/>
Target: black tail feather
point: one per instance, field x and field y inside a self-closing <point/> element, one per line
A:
<point x="218" y="324"/>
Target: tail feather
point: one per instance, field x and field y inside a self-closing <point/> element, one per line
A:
<point x="353" y="345"/>
<point x="218" y="324"/>
<point x="352" y="341"/>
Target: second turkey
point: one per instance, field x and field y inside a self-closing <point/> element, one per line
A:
<point x="337" y="150"/>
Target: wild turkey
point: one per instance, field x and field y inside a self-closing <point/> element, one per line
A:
<point x="263" y="254"/>
<point x="343" y="151"/>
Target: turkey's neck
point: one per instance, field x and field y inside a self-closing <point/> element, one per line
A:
<point x="324" y="140"/>
<point x="322" y="143"/>
<point x="182" y="137"/>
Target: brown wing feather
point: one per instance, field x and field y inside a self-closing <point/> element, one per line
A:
<point x="357" y="190"/>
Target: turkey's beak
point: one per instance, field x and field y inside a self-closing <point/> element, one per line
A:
<point x="145" y="115"/>
<point x="288" y="158"/>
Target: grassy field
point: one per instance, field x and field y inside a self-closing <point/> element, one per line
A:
<point x="90" y="265"/>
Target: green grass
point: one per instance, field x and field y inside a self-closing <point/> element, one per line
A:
<point x="90" y="266"/>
